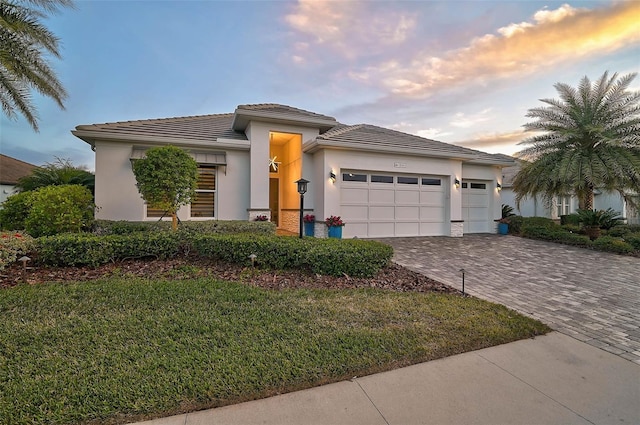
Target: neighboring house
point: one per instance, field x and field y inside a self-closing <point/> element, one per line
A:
<point x="562" y="205"/>
<point x="383" y="183"/>
<point x="11" y="170"/>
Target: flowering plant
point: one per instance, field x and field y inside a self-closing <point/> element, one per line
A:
<point x="262" y="218"/>
<point x="334" y="221"/>
<point x="309" y="218"/>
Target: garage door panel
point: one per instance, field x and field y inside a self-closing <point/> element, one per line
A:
<point x="381" y="196"/>
<point x="354" y="195"/>
<point x="431" y="198"/>
<point x="354" y="229"/>
<point x="407" y="197"/>
<point x="381" y="229"/>
<point x="407" y="228"/>
<point x="355" y="212"/>
<point x="433" y="214"/>
<point x="408" y="213"/>
<point x="381" y="213"/>
<point x="431" y="228"/>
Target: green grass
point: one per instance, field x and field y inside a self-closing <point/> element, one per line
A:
<point x="123" y="349"/>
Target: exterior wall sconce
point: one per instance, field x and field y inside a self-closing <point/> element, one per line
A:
<point x="498" y="186"/>
<point x="457" y="183"/>
<point x="332" y="176"/>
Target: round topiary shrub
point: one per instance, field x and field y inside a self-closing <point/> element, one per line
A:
<point x="59" y="209"/>
<point x="15" y="210"/>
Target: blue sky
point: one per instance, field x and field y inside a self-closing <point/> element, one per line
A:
<point x="462" y="72"/>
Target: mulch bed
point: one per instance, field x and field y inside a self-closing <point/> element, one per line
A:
<point x="394" y="277"/>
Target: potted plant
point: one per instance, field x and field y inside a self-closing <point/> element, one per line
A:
<point x="335" y="224"/>
<point x="309" y="221"/>
<point x="503" y="223"/>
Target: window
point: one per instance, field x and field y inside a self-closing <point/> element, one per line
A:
<point x="203" y="205"/>
<point x="407" y="180"/>
<point x="464" y="185"/>
<point x="431" y="182"/>
<point x="156" y="212"/>
<point x="350" y="177"/>
<point x="381" y="179"/>
<point x="478" y="186"/>
<point x="563" y="204"/>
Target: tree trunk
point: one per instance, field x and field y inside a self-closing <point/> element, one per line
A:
<point x="585" y="200"/>
<point x="174" y="221"/>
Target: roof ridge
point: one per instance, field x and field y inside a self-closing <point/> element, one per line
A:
<point x="18" y="160"/>
<point x="155" y="120"/>
<point x="340" y="129"/>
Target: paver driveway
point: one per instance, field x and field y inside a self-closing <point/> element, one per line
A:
<point x="592" y="296"/>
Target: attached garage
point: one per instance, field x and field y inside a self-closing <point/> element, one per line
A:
<point x="476" y="206"/>
<point x="386" y="205"/>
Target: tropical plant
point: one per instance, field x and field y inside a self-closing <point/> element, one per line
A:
<point x="24" y="45"/>
<point x="167" y="178"/>
<point x="60" y="172"/>
<point x="591" y="140"/>
<point x="603" y="219"/>
<point x="507" y="211"/>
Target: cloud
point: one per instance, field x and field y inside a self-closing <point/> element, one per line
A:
<point x="515" y="50"/>
<point x="462" y="120"/>
<point x="348" y="28"/>
<point x="484" y="140"/>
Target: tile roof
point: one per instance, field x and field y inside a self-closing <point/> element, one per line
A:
<point x="379" y="139"/>
<point x="201" y="128"/>
<point x="11" y="169"/>
<point x="283" y="110"/>
<point x="272" y="112"/>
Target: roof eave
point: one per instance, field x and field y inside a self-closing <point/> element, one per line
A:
<point x="91" y="137"/>
<point x="242" y="118"/>
<point x="314" y="146"/>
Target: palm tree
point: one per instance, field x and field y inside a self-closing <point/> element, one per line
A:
<point x="24" y="41"/>
<point x="591" y="140"/>
<point x="60" y="172"/>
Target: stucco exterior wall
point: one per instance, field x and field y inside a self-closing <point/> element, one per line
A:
<point x="6" y="190"/>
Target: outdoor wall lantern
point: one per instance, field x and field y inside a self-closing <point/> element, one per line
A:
<point x="457" y="183"/>
<point x="498" y="186"/>
<point x="302" y="189"/>
<point x="332" y="176"/>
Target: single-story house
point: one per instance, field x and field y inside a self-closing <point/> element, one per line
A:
<point x="562" y="205"/>
<point x="383" y="183"/>
<point x="12" y="170"/>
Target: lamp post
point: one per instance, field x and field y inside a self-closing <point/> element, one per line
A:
<point x="302" y="189"/>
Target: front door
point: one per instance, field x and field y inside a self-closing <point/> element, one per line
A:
<point x="274" y="200"/>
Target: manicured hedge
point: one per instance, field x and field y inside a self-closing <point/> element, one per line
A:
<point x="322" y="256"/>
<point x="612" y="244"/>
<point x="555" y="234"/>
<point x="108" y="227"/>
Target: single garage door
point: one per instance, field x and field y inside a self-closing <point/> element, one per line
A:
<point x="385" y="205"/>
<point x="476" y="197"/>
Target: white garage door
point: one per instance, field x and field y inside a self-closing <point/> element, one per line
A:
<point x="384" y="205"/>
<point x="475" y="206"/>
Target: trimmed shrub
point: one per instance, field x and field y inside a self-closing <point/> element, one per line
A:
<point x="633" y="239"/>
<point x="570" y="219"/>
<point x="323" y="256"/>
<point x="13" y="245"/>
<point x="555" y="234"/>
<point x="60" y="209"/>
<point x="15" y="210"/>
<point x="515" y="224"/>
<point x="611" y="244"/>
<point x="538" y="222"/>
<point x="71" y="249"/>
<point x="108" y="227"/>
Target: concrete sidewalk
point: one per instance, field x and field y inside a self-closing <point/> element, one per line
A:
<point x="553" y="379"/>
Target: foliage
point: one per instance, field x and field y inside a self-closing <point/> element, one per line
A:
<point x="604" y="219"/>
<point x="15" y="210"/>
<point x="322" y="256"/>
<point x="106" y="227"/>
<point x="515" y="224"/>
<point x="334" y="221"/>
<point x="129" y="349"/>
<point x="58" y="209"/>
<point x="554" y="234"/>
<point x="25" y="44"/>
<point x="590" y="140"/>
<point x="570" y="219"/>
<point x="612" y="244"/>
<point x="262" y="218"/>
<point x="507" y="211"/>
<point x="166" y="178"/>
<point x="61" y="172"/>
<point x="13" y="245"/>
<point x="633" y="239"/>
<point x="624" y="229"/>
<point x="309" y="218"/>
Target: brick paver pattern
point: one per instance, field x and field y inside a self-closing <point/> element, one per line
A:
<point x="592" y="296"/>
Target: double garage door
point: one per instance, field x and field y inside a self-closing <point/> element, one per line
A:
<point x="385" y="205"/>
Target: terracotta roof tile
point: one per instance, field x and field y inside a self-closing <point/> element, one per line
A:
<point x="11" y="169"/>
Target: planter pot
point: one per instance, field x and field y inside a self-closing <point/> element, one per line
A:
<point x="308" y="229"/>
<point x="503" y="228"/>
<point x="335" y="232"/>
<point x="593" y="232"/>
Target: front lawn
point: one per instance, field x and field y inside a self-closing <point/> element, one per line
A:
<point x="122" y="349"/>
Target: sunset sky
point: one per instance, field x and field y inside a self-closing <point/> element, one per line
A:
<point x="462" y="72"/>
